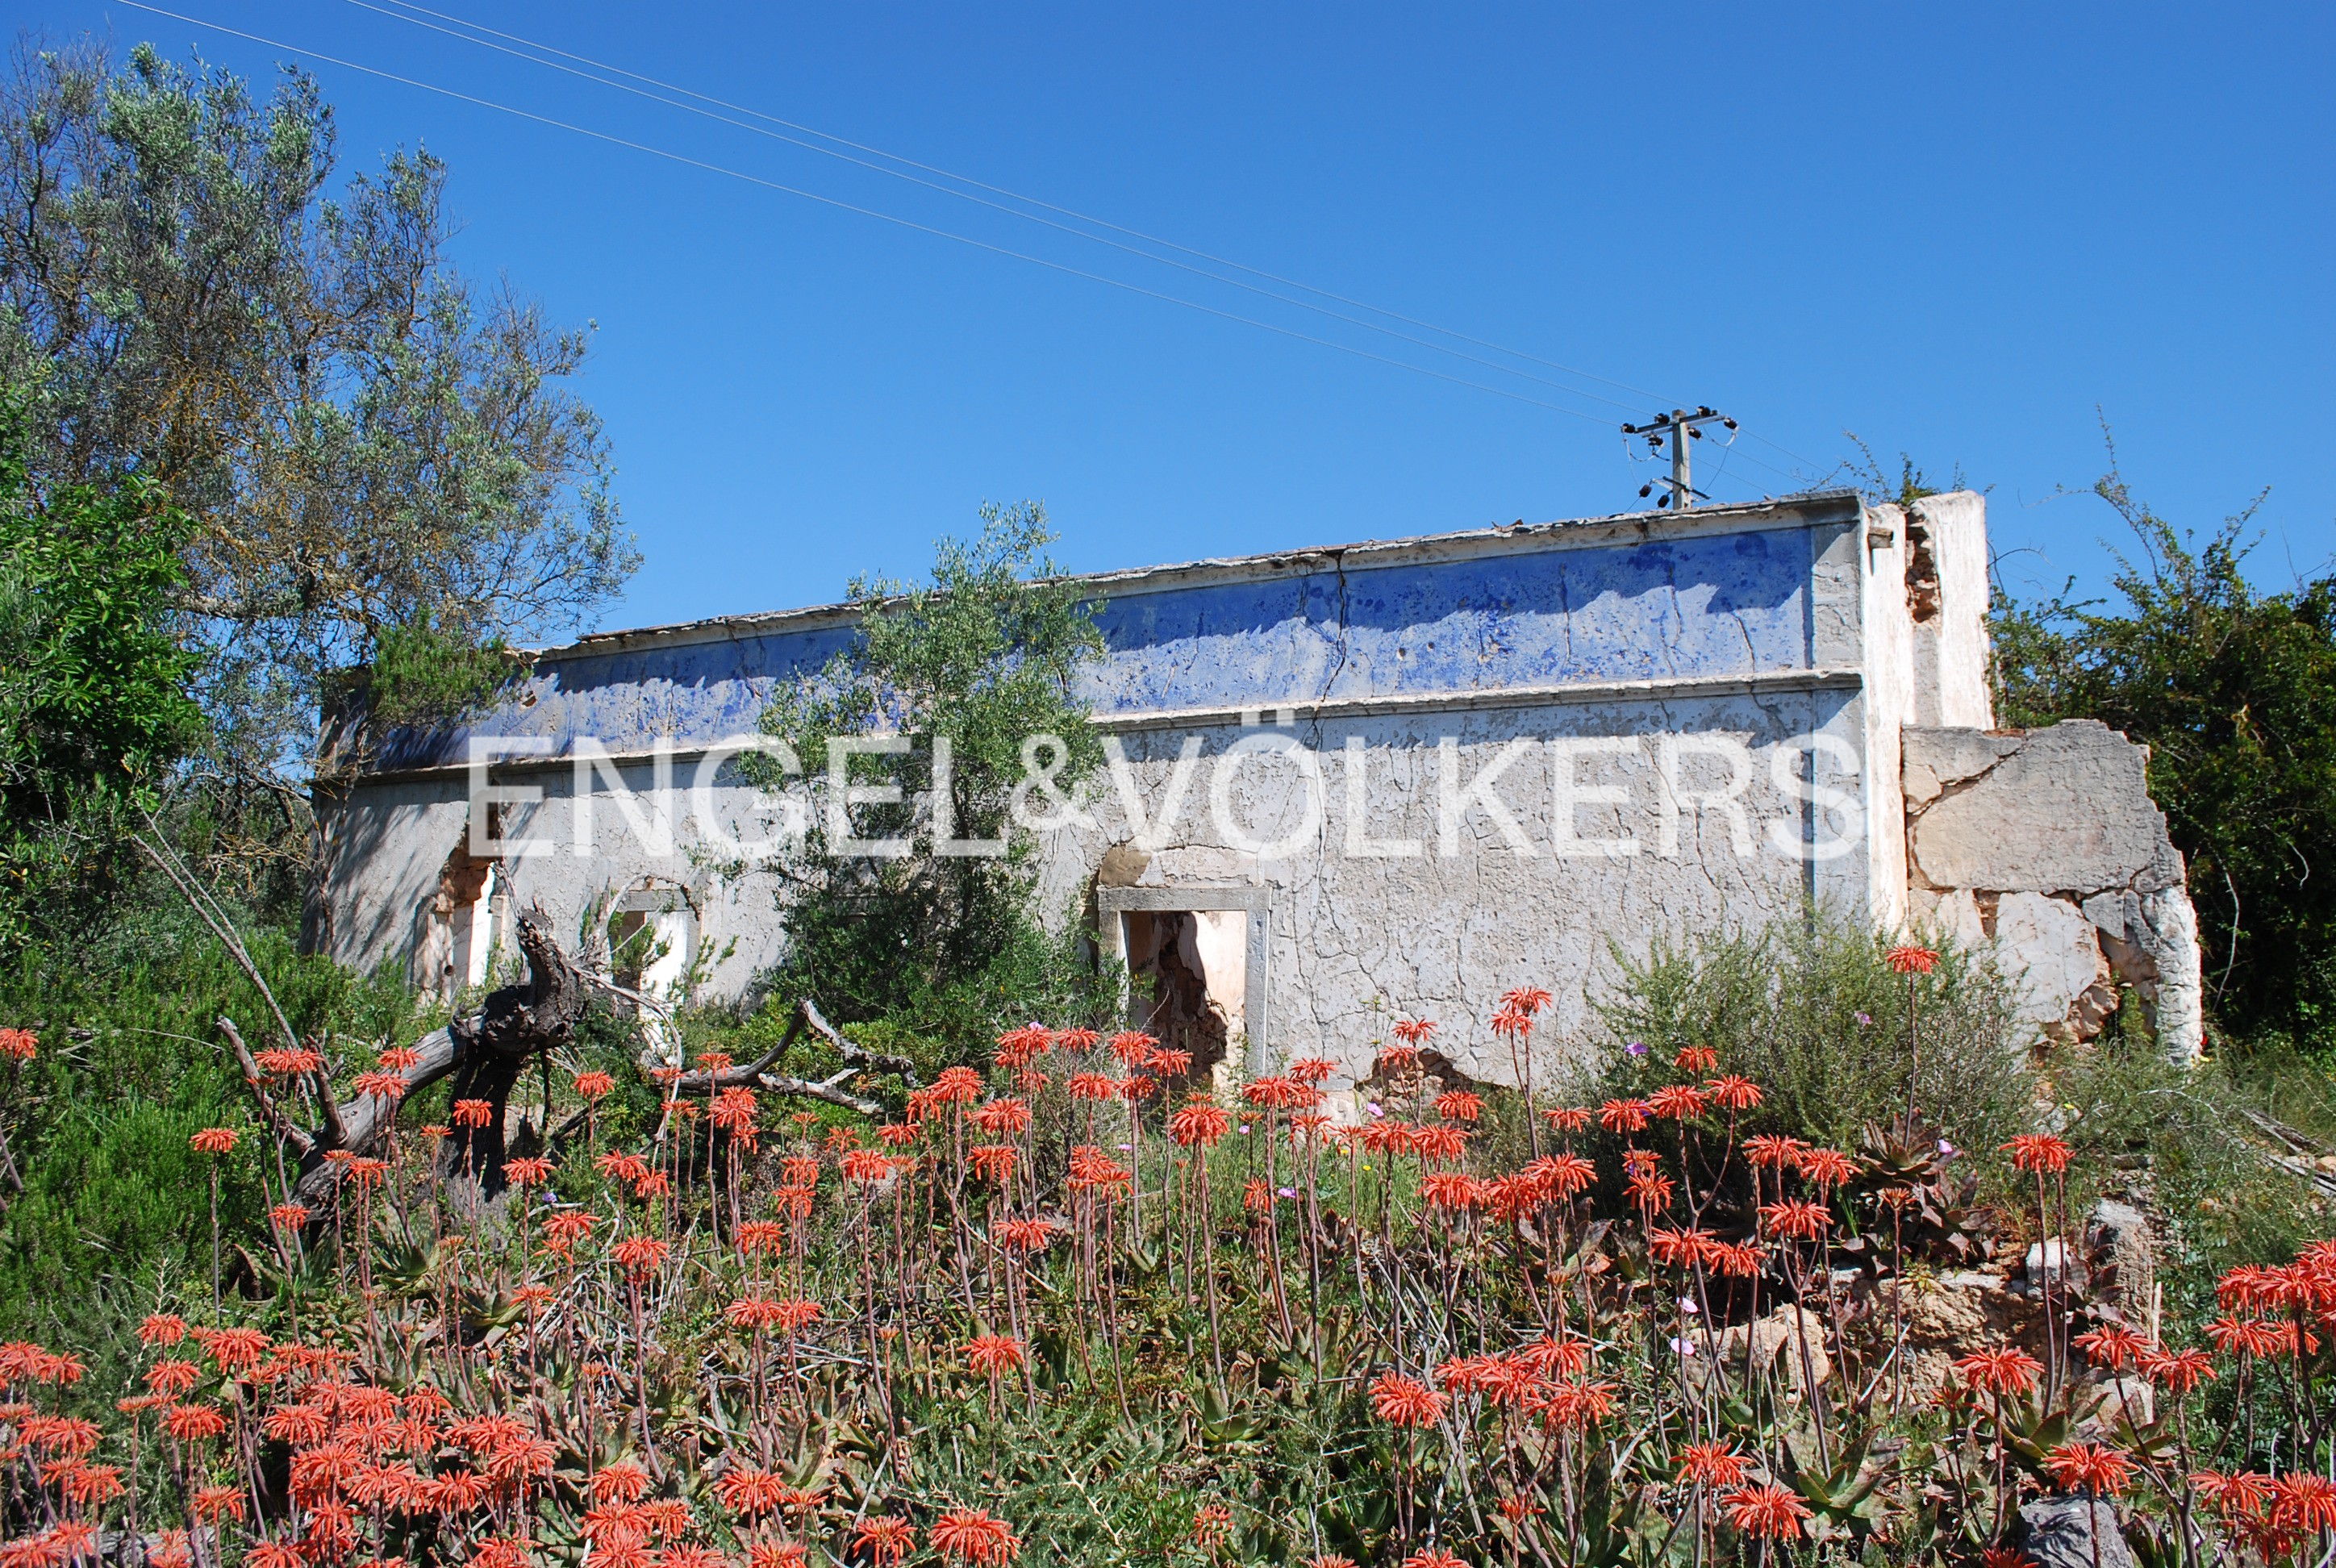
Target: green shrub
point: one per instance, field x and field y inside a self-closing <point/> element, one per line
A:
<point x="2181" y="1140"/>
<point x="947" y="950"/>
<point x="130" y="1063"/>
<point x="1814" y="1012"/>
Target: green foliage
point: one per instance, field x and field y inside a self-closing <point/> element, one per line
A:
<point x="94" y="701"/>
<point x="130" y="1063"/>
<point x="2183" y="1140"/>
<point x="2234" y="692"/>
<point x="362" y="440"/>
<point x="422" y="672"/>
<point x="255" y="433"/>
<point x="1911" y="485"/>
<point x="1814" y="1014"/>
<point x="985" y="656"/>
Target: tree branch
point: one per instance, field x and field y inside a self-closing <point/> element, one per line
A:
<point x="850" y="1052"/>
<point x="258" y="1084"/>
<point x="829" y="1089"/>
<point x="336" y="1131"/>
<point x="705" y="1082"/>
<point x="160" y="851"/>
<point x="486" y="1049"/>
<point x="757" y="1073"/>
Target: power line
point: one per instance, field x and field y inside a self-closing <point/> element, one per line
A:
<point x="965" y="239"/>
<point x="683" y="159"/>
<point x="1014" y="196"/>
<point x="936" y="185"/>
<point x="464" y="29"/>
<point x="1810" y="463"/>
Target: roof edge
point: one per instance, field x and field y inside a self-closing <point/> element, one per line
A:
<point x="1125" y="581"/>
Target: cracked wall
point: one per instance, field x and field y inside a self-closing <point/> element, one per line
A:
<point x="2046" y="847"/>
<point x="1588" y="668"/>
<point x="1413" y="890"/>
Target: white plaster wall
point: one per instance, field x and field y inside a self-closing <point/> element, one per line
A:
<point x="391" y="841"/>
<point x="2055" y="826"/>
<point x="1357" y="938"/>
<point x="1220" y="952"/>
<point x="381" y="864"/>
<point x="1360" y="931"/>
<point x="1950" y="649"/>
<point x="1889" y="650"/>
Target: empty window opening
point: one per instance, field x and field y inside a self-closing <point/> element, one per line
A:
<point x="652" y="941"/>
<point x="1192" y="981"/>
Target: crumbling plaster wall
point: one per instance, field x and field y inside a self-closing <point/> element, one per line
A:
<point x="1944" y="564"/>
<point x="386" y="849"/>
<point x="1887" y="649"/>
<point x="2042" y="851"/>
<point x="1440" y="658"/>
<point x="1543" y="893"/>
<point x="379" y="861"/>
<point x="2047" y="845"/>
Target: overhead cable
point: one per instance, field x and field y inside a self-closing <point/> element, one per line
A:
<point x="712" y="168"/>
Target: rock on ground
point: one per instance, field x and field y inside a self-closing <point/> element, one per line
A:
<point x="2060" y="1533"/>
<point x="2122" y="1259"/>
<point x="1775" y="1338"/>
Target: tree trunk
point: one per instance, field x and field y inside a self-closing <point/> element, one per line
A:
<point x="484" y="1052"/>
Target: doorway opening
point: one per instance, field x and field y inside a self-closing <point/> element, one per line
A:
<point x="1196" y="960"/>
<point x="653" y="940"/>
<point x="1190" y="974"/>
<point x="461" y="924"/>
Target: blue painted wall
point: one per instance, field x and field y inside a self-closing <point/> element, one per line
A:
<point x="1727" y="605"/>
<point x="1733" y="603"/>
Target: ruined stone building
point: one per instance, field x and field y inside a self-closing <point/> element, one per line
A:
<point x="1358" y="781"/>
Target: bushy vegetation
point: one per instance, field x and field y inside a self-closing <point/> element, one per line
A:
<point x="1072" y="1307"/>
<point x="1812" y="1011"/>
<point x="249" y="391"/>
<point x="2234" y="691"/>
<point x="932" y="949"/>
<point x="93" y="687"/>
<point x="105" y="1194"/>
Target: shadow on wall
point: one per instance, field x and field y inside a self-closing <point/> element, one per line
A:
<point x="1193" y="964"/>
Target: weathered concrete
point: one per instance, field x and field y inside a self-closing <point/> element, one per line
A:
<point x="2059" y="810"/>
<point x="1580" y="664"/>
<point x="1530" y="897"/>
<point x="1447" y="766"/>
<point x="1947" y="599"/>
<point x="2048" y="948"/>
<point x="2051" y="839"/>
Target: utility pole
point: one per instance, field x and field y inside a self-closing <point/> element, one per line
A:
<point x="1681" y="426"/>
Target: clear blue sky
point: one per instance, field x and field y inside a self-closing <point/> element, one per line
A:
<point x="1955" y="230"/>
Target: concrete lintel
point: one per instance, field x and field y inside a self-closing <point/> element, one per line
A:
<point x="1247" y="896"/>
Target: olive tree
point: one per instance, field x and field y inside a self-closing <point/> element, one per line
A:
<point x="363" y="442"/>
